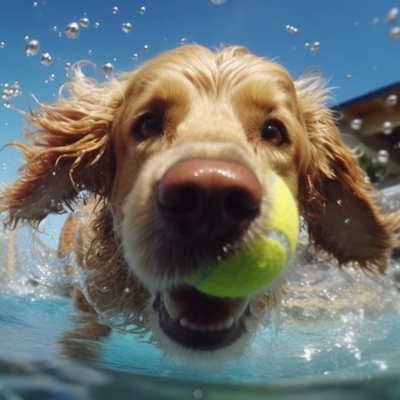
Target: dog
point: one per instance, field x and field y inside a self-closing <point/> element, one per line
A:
<point x="131" y="150"/>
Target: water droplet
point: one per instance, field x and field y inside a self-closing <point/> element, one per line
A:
<point x="115" y="10"/>
<point x="9" y="92"/>
<point x="391" y="100"/>
<point x="142" y="10"/>
<point x="126" y="27"/>
<point x="339" y="202"/>
<point x="306" y="46"/>
<point x="107" y="69"/>
<point x="46" y="59"/>
<point x="392" y="15"/>
<point x="183" y="41"/>
<point x="348" y="76"/>
<point x="135" y="57"/>
<point x="145" y="48"/>
<point x="89" y="52"/>
<point x="67" y="66"/>
<point x="347" y="220"/>
<point x="315" y="47"/>
<point x="54" y="28"/>
<point x="395" y="33"/>
<point x="383" y="156"/>
<point x="72" y="30"/>
<point x="32" y="48"/>
<point x="218" y="1"/>
<point x="96" y="24"/>
<point x="387" y="127"/>
<point x="292" y="29"/>
<point x="356" y="124"/>
<point x="84" y="22"/>
<point x="26" y="38"/>
<point x="375" y="21"/>
<point x="2" y="45"/>
<point x="35" y="4"/>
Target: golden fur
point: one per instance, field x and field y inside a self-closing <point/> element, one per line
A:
<point x="213" y="105"/>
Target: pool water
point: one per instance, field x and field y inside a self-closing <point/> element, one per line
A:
<point x="335" y="335"/>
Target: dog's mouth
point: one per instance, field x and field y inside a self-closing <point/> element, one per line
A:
<point x="199" y="321"/>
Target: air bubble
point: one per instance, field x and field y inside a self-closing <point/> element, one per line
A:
<point x="126" y="27"/>
<point x="356" y="124"/>
<point x="142" y="10"/>
<point x="387" y="127"/>
<point x="395" y="33"/>
<point x="391" y="100"/>
<point x="107" y="69"/>
<point x="72" y="30"/>
<point x="145" y="48"/>
<point x="392" y="15"/>
<point x="46" y="59"/>
<point x="115" y="10"/>
<point x="32" y="48"/>
<point x="84" y="22"/>
<point x="383" y="156"/>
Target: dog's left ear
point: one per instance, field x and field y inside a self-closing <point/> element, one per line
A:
<point x="335" y="197"/>
<point x="70" y="151"/>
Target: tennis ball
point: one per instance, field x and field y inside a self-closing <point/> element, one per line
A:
<point x="262" y="261"/>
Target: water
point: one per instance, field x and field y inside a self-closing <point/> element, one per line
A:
<point x="336" y="335"/>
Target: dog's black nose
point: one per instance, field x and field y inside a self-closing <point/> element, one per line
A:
<point x="209" y="199"/>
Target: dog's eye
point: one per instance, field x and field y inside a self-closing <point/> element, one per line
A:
<point x="148" y="125"/>
<point x="274" y="133"/>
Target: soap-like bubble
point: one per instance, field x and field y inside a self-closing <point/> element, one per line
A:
<point x="142" y="10"/>
<point x="145" y="48"/>
<point x="387" y="127"/>
<point x="395" y="33"/>
<point x="46" y="59"/>
<point x="383" y="156"/>
<point x="32" y="48"/>
<point x="107" y="69"/>
<point x="391" y="100"/>
<point x="392" y="15"/>
<point x="72" y="30"/>
<point x="356" y="124"/>
<point x="126" y="27"/>
<point x="84" y="22"/>
<point x="115" y="10"/>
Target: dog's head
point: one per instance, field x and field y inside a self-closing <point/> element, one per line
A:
<point x="141" y="142"/>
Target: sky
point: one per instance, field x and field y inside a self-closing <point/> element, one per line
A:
<point x="356" y="53"/>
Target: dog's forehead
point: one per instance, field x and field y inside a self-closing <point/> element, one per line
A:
<point x="211" y="72"/>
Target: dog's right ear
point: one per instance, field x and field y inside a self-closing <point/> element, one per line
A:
<point x="70" y="151"/>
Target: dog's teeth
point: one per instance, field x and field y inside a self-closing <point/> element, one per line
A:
<point x="171" y="306"/>
<point x="228" y="322"/>
<point x="238" y="306"/>
<point x="184" y="323"/>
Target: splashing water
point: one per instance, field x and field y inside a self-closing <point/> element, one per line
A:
<point x="72" y="30"/>
<point x="9" y="92"/>
<point x="32" y="48"/>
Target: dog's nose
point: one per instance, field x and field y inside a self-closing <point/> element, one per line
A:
<point x="210" y="199"/>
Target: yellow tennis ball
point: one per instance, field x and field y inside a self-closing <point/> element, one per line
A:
<point x="261" y="262"/>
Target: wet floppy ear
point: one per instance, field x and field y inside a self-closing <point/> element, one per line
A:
<point x="70" y="151"/>
<point x="335" y="198"/>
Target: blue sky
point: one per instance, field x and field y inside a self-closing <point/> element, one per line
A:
<point x="351" y="43"/>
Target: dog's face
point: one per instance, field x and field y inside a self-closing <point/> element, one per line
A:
<point x="178" y="121"/>
<point x="178" y="155"/>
